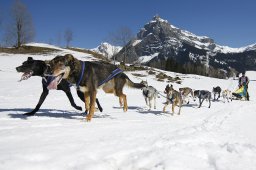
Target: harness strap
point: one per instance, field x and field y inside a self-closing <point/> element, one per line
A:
<point x="82" y="73"/>
<point x="47" y="80"/>
<point x="113" y="74"/>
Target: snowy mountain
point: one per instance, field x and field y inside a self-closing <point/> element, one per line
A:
<point x="107" y="49"/>
<point x="58" y="137"/>
<point x="158" y="40"/>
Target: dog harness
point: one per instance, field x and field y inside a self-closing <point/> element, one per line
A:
<point x="47" y="80"/>
<point x="82" y="73"/>
<point x="113" y="74"/>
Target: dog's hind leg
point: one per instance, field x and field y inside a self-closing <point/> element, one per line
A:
<point x="121" y="102"/>
<point x="92" y="105"/>
<point x="123" y="96"/>
<point x="86" y="102"/>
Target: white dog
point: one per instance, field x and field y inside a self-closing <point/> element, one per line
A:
<point x="227" y="95"/>
<point x="150" y="94"/>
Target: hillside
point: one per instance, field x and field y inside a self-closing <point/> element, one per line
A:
<point x="59" y="138"/>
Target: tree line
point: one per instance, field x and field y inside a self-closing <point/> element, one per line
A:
<point x="192" y="68"/>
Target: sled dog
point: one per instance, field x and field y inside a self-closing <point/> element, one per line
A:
<point x="202" y="95"/>
<point x="186" y="92"/>
<point x="150" y="94"/>
<point x="89" y="76"/>
<point x="216" y="91"/>
<point x="173" y="97"/>
<point x="32" y="67"/>
<point x="226" y="95"/>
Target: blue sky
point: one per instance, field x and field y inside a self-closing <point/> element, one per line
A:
<point x="228" y="22"/>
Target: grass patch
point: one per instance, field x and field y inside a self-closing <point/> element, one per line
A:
<point x="139" y="75"/>
<point x="94" y="54"/>
<point x="27" y="50"/>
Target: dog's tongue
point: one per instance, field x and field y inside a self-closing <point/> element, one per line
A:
<point x="26" y="76"/>
<point x="53" y="84"/>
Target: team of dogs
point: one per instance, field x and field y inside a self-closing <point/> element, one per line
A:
<point x="64" y="71"/>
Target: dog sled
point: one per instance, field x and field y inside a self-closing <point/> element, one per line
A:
<point x="240" y="94"/>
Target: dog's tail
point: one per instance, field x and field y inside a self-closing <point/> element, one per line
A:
<point x="132" y="84"/>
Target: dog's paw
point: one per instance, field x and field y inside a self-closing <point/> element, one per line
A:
<point x="78" y="108"/>
<point x="84" y="113"/>
<point x="88" y="118"/>
<point x="100" y="108"/>
<point x="29" y="114"/>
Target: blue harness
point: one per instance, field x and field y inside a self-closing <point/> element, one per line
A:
<point x="113" y="74"/>
<point x="82" y="73"/>
<point x="47" y="80"/>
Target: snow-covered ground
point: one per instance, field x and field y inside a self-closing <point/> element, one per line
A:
<point x="58" y="137"/>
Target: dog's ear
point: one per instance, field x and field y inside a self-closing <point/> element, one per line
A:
<point x="69" y="59"/>
<point x="30" y="59"/>
<point x="47" y="61"/>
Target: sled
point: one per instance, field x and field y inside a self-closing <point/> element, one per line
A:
<point x="240" y="94"/>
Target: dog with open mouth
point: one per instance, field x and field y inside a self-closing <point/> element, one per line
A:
<point x="32" y="67"/>
<point x="90" y="76"/>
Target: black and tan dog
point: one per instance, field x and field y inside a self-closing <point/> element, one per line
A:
<point x="33" y="67"/>
<point x="173" y="97"/>
<point x="89" y="76"/>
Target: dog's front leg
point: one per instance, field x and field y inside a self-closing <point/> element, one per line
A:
<point x="165" y="106"/>
<point x="41" y="100"/>
<point x="155" y="102"/>
<point x="92" y="105"/>
<point x="173" y="106"/>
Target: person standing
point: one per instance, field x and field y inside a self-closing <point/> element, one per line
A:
<point x="244" y="81"/>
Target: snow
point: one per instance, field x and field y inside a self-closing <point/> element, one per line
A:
<point x="58" y="138"/>
<point x="136" y="42"/>
<point x="107" y="49"/>
<point x="144" y="59"/>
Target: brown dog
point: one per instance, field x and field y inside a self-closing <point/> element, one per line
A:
<point x="185" y="93"/>
<point x="89" y="76"/>
<point x="173" y="97"/>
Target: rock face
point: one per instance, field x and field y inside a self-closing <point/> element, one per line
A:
<point x="158" y="40"/>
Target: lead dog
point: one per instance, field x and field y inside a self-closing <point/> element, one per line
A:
<point x="203" y="95"/>
<point x="89" y="76"/>
<point x="149" y="93"/>
<point x="32" y="67"/>
<point x="173" y="97"/>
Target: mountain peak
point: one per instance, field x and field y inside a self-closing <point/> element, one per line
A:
<point x="107" y="49"/>
<point x="158" y="19"/>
